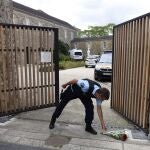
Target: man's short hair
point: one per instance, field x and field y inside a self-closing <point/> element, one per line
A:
<point x="104" y="92"/>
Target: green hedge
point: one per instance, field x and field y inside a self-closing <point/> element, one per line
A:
<point x="70" y="64"/>
<point x="63" y="57"/>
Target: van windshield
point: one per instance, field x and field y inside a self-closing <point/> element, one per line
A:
<point x="78" y="53"/>
<point x="106" y="58"/>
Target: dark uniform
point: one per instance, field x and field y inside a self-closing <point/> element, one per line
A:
<point x="84" y="90"/>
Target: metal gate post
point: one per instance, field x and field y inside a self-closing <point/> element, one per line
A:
<point x="56" y="61"/>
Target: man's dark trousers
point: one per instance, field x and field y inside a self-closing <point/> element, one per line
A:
<point x="73" y="92"/>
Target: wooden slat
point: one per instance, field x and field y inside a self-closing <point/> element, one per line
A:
<point x="113" y="66"/>
<point x="13" y="70"/>
<point x="127" y="67"/>
<point x="45" y="65"/>
<point x="38" y="61"/>
<point x="1" y="73"/>
<point x="25" y="65"/>
<point x="144" y="75"/>
<point x="33" y="66"/>
<point x="147" y="81"/>
<point x="123" y="69"/>
<point x="135" y="71"/>
<point x="52" y="65"/>
<point x="29" y="65"/>
<point x="140" y="70"/>
<point x="131" y="71"/>
<point x="41" y="65"/>
<point x="1" y="97"/>
<point x="4" y="105"/>
<point x="21" y="68"/>
<point x="4" y="102"/>
<point x="120" y="66"/>
<point x="115" y="72"/>
<point x="49" y="65"/>
<point x="17" y="67"/>
<point x="118" y="71"/>
<point x="8" y="69"/>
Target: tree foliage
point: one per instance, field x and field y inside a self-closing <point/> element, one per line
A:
<point x="63" y="47"/>
<point x="97" y="31"/>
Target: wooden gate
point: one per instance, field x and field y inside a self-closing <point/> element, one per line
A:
<point x="131" y="70"/>
<point x="29" y="77"/>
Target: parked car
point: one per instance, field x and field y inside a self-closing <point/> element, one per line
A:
<point x="76" y="54"/>
<point x="103" y="68"/>
<point x="91" y="60"/>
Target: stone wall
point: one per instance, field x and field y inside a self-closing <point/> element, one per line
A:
<point x="65" y="34"/>
<point x="6" y="11"/>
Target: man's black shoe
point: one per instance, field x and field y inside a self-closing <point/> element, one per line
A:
<point x="52" y="123"/>
<point x="51" y="126"/>
<point x="90" y="130"/>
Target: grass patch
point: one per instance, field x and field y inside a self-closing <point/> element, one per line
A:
<point x="70" y="64"/>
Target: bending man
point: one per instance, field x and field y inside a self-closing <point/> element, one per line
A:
<point x="84" y="89"/>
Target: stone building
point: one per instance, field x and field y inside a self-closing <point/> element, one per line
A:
<point x="20" y="14"/>
<point x="96" y="45"/>
<point x="24" y="15"/>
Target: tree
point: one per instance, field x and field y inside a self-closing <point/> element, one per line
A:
<point x="97" y="31"/>
<point x="63" y="47"/>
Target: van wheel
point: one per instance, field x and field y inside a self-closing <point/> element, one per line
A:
<point x="86" y="66"/>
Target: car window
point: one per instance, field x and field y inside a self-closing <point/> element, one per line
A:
<point x="93" y="57"/>
<point x="78" y="53"/>
<point x="106" y="58"/>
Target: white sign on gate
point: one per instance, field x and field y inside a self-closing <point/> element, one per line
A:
<point x="45" y="57"/>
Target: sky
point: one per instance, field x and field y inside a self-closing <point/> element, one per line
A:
<point x="84" y="13"/>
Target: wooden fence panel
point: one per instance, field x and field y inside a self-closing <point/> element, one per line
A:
<point x="27" y="68"/>
<point x="131" y="70"/>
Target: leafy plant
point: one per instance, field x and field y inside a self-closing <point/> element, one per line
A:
<point x="97" y="31"/>
<point x="63" y="47"/>
<point x="70" y="64"/>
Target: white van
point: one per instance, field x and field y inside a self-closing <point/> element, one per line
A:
<point x="76" y="54"/>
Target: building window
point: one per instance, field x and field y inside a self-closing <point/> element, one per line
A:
<point x="65" y="34"/>
<point x="27" y="21"/>
<point x="39" y="24"/>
